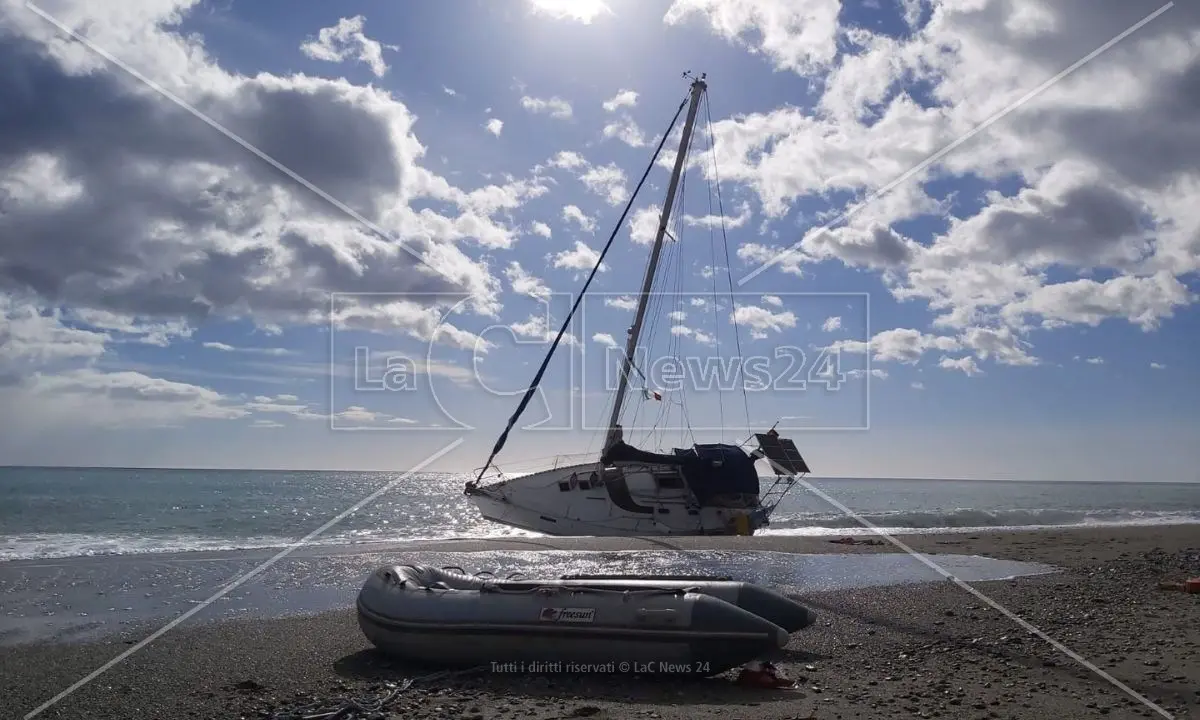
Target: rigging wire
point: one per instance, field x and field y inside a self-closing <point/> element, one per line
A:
<point x="685" y="420"/>
<point x="674" y="252"/>
<point x="712" y="146"/>
<point x="712" y="246"/>
<point x="537" y="378"/>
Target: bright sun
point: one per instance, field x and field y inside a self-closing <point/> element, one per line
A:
<point x="585" y="11"/>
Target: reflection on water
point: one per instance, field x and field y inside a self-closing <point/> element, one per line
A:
<point x="87" y="598"/>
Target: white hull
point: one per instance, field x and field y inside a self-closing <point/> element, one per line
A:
<point x="652" y="500"/>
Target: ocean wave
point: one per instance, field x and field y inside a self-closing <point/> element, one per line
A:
<point x="974" y="519"/>
<point x="32" y="546"/>
<point x="37" y="546"/>
<point x="65" y="545"/>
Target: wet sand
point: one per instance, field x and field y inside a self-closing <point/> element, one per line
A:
<point x="927" y="650"/>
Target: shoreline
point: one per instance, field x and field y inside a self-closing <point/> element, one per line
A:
<point x="919" y="650"/>
<point x="781" y="542"/>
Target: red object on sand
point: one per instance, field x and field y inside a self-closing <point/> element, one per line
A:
<point x="1192" y="585"/>
<point x="764" y="676"/>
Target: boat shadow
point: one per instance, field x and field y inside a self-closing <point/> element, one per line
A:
<point x="371" y="665"/>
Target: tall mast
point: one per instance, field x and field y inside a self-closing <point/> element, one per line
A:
<point x="664" y="218"/>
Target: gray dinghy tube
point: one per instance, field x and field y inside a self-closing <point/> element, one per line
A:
<point x="763" y="602"/>
<point x="406" y="612"/>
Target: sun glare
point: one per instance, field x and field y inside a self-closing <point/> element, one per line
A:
<point x="584" y="11"/>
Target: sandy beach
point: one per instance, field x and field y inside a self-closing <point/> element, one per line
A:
<point x="927" y="650"/>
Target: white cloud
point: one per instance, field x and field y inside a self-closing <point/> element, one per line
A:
<point x="568" y="160"/>
<point x="773" y="300"/>
<point x="1144" y="301"/>
<point x="347" y="41"/>
<point x="756" y="254"/>
<point x="718" y="221"/>
<point x="798" y="35"/>
<point x="1095" y="361"/>
<point x="91" y="397"/>
<point x="966" y="365"/>
<point x="32" y="340"/>
<point x="535" y="328"/>
<point x="525" y="284"/>
<point x="358" y="414"/>
<point x="604" y="339"/>
<point x="1157" y="366"/>
<point x="644" y="224"/>
<point x="1000" y="344"/>
<point x="572" y="213"/>
<point x="449" y="91"/>
<point x="831" y="323"/>
<point x="224" y="347"/>
<point x="581" y="257"/>
<point x="165" y="197"/>
<point x="917" y="385"/>
<point x="584" y="11"/>
<point x="760" y="320"/>
<point x="555" y="107"/>
<point x="494" y="126"/>
<point x="607" y="181"/>
<point x="904" y="345"/>
<point x="625" y="130"/>
<point x="1108" y="197"/>
<point x="623" y="98"/>
<point x="623" y="302"/>
<point x="541" y="228"/>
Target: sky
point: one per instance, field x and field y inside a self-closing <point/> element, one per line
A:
<point x="923" y="238"/>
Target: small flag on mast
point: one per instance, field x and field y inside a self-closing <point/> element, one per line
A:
<point x="652" y="394"/>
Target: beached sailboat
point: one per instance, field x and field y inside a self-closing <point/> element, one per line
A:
<point x="707" y="489"/>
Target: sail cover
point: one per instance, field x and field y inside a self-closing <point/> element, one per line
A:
<point x="709" y="470"/>
<point x="623" y="452"/>
<point x="717" y="469"/>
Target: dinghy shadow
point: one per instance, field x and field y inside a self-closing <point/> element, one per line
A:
<point x="371" y="665"/>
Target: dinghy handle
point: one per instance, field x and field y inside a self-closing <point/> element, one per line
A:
<point x="511" y="576"/>
<point x="554" y="589"/>
<point x="391" y="577"/>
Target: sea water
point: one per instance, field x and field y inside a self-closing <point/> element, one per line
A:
<point x="59" y="513"/>
<point x="85" y="552"/>
<point x="84" y="598"/>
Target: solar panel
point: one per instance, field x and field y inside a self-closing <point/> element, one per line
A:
<point x="782" y="453"/>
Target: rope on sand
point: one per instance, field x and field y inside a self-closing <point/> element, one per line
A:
<point x="355" y="708"/>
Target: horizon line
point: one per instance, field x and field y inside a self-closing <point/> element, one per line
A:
<point x="463" y="472"/>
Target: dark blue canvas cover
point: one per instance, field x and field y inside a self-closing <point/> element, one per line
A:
<point x="709" y="470"/>
<point x="717" y="469"/>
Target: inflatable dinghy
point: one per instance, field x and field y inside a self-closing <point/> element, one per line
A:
<point x="763" y="602"/>
<point x="632" y="626"/>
